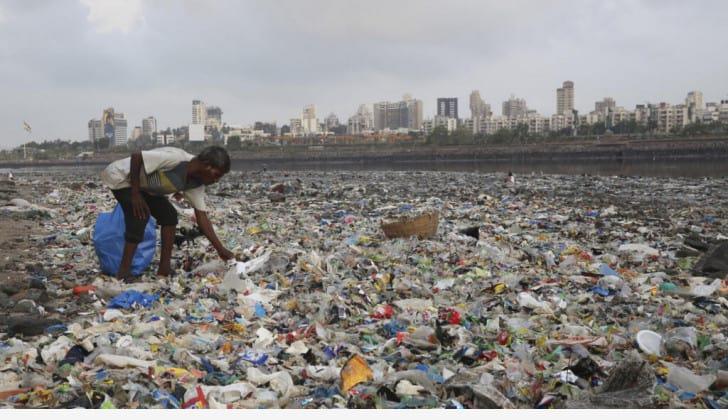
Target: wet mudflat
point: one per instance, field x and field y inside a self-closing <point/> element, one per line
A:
<point x="561" y="291"/>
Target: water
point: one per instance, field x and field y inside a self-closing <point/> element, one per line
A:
<point x="689" y="168"/>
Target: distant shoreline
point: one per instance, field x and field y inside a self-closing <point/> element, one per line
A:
<point x="606" y="150"/>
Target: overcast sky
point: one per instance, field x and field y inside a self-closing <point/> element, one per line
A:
<point x="63" y="61"/>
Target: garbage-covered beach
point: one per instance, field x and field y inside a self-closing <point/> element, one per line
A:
<point x="551" y="292"/>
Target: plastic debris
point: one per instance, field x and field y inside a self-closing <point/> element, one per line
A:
<point x="117" y="361"/>
<point x="687" y="380"/>
<point x="355" y="371"/>
<point x="539" y="295"/>
<point x="130" y="298"/>
<point x="56" y="351"/>
<point x="649" y="342"/>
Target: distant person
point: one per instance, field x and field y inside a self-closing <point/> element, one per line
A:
<point x="510" y="179"/>
<point x="140" y="184"/>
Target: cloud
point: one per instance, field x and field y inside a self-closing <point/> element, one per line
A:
<point x="114" y="15"/>
<point x="3" y="17"/>
<point x="64" y="61"/>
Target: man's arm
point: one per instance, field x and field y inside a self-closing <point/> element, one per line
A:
<point x="206" y="228"/>
<point x="139" y="205"/>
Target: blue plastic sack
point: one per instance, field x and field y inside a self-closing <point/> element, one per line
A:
<point x="129" y="298"/>
<point x="109" y="243"/>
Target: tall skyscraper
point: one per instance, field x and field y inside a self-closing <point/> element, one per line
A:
<point x="149" y="128"/>
<point x="695" y="98"/>
<point x="309" y="122"/>
<point x="95" y="130"/>
<point x="213" y="117"/>
<point x="695" y="104"/>
<point x="120" y="123"/>
<point x="479" y="111"/>
<point x="113" y="125"/>
<point x="565" y="98"/>
<point x="199" y="112"/>
<point x="447" y="107"/>
<point x="395" y="115"/>
<point x="107" y="124"/>
<point x="476" y="105"/>
<point x="414" y="114"/>
<point x="387" y="115"/>
<point x="515" y="107"/>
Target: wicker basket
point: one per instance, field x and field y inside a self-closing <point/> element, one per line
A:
<point x="423" y="226"/>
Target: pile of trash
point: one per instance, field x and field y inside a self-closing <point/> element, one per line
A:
<point x="559" y="292"/>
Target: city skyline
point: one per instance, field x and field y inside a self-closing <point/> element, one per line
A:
<point x="406" y="115"/>
<point x="91" y="55"/>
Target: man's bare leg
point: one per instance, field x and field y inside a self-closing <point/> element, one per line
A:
<point x="165" y="257"/>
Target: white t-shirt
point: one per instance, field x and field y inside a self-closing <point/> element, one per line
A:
<point x="163" y="174"/>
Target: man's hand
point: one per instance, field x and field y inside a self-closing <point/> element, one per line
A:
<point x="206" y="228"/>
<point x="225" y="254"/>
<point x="139" y="206"/>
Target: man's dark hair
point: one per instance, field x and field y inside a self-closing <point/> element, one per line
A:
<point x="215" y="156"/>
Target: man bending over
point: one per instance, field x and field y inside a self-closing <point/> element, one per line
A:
<point x="140" y="184"/>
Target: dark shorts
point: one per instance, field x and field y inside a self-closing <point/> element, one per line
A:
<point x="162" y="210"/>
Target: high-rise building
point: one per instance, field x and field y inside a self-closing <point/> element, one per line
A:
<point x="309" y="122"/>
<point x="149" y="128"/>
<point x="120" y="138"/>
<point x="114" y="125"/>
<point x="387" y="115"/>
<point x="565" y="98"/>
<point x="366" y="114"/>
<point x="447" y="107"/>
<point x="213" y="117"/>
<point x="695" y="104"/>
<point x="95" y="130"/>
<point x="379" y="114"/>
<point x="107" y="125"/>
<point x="604" y="106"/>
<point x="515" y="107"/>
<point x="296" y="128"/>
<point x="361" y="121"/>
<point x="331" y="121"/>
<point x="414" y="114"/>
<point x="695" y="99"/>
<point x="479" y="111"/>
<point x="395" y="115"/>
<point x="478" y="107"/>
<point x="199" y="112"/>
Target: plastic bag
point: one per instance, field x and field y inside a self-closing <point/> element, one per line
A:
<point x="109" y="242"/>
<point x="130" y="298"/>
